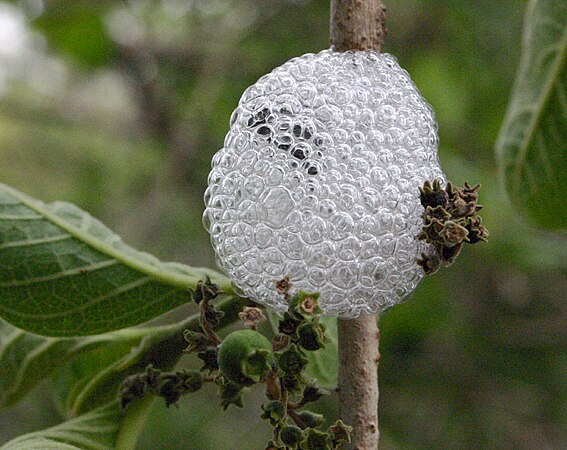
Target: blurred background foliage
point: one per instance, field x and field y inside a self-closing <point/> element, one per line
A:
<point x="119" y="106"/>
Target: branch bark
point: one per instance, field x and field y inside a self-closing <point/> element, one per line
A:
<point x="359" y="25"/>
<point x="358" y="379"/>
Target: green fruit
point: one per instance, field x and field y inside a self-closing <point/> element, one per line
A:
<point x="245" y="357"/>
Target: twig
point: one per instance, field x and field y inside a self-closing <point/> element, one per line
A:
<point x="358" y="379"/>
<point x="359" y="25"/>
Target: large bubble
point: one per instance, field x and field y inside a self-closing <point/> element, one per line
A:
<point x="318" y="180"/>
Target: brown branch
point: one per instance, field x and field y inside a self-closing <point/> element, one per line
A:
<point x="358" y="380"/>
<point x="357" y="25"/>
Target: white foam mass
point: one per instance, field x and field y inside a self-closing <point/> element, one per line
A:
<point x="318" y="180"/>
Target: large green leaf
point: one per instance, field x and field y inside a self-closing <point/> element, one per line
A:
<point x="105" y="428"/>
<point x="90" y="369"/>
<point x="63" y="273"/>
<point x="93" y="379"/>
<point x="26" y="359"/>
<point x="532" y="146"/>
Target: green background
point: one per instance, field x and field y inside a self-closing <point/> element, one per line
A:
<point x="118" y="107"/>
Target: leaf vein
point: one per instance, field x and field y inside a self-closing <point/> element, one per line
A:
<point x="59" y="275"/>
<point x="30" y="242"/>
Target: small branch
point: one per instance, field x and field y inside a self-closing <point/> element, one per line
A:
<point x="357" y="25"/>
<point x="297" y="419"/>
<point x="205" y="325"/>
<point x="358" y="379"/>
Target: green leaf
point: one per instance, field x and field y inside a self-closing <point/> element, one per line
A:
<point x="160" y="346"/>
<point x="63" y="273"/>
<point x="78" y="31"/>
<point x="104" y="428"/>
<point x="99" y="385"/>
<point x="324" y="363"/>
<point x="532" y="146"/>
<point x="96" y="430"/>
<point x="26" y="359"/>
<point x="90" y="369"/>
<point x="94" y="378"/>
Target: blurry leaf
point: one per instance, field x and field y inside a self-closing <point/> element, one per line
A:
<point x="65" y="274"/>
<point x="90" y="369"/>
<point x="26" y="359"/>
<point x="76" y="376"/>
<point x="93" y="379"/>
<point x="103" y="428"/>
<point x="100" y="383"/>
<point x="532" y="146"/>
<point x="96" y="430"/>
<point x="324" y="363"/>
<point x="77" y="31"/>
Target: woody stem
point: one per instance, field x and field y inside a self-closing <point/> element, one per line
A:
<point x="359" y="25"/>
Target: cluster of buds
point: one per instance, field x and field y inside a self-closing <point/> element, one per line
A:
<point x="287" y="389"/>
<point x="245" y="358"/>
<point x="168" y="385"/>
<point x="450" y="219"/>
<point x="171" y="386"/>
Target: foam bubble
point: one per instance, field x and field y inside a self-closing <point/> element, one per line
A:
<point x="318" y="180"/>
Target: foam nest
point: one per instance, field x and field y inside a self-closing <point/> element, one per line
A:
<point x="318" y="180"/>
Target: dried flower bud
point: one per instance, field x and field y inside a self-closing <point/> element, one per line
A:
<point x="432" y="195"/>
<point x="251" y="317"/>
<point x="452" y="233"/>
<point x="477" y="232"/>
<point x="209" y="357"/>
<point x="450" y="224"/>
<point x="283" y="286"/>
<point x="288" y="325"/>
<point x="339" y="433"/>
<point x="311" y="336"/>
<point x="173" y="386"/>
<point x="312" y="394"/>
<point x="196" y="341"/>
<point x="230" y="394"/>
<point x="205" y="290"/>
<point x="274" y="411"/>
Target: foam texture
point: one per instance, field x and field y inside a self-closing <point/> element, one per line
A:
<point x="318" y="180"/>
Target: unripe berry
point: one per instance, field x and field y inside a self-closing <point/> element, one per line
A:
<point x="245" y="357"/>
<point x="319" y="180"/>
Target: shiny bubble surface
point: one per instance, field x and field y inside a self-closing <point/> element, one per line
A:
<point x="318" y="180"/>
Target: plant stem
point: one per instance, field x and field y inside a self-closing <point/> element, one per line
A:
<point x="359" y="25"/>
<point x="358" y="379"/>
